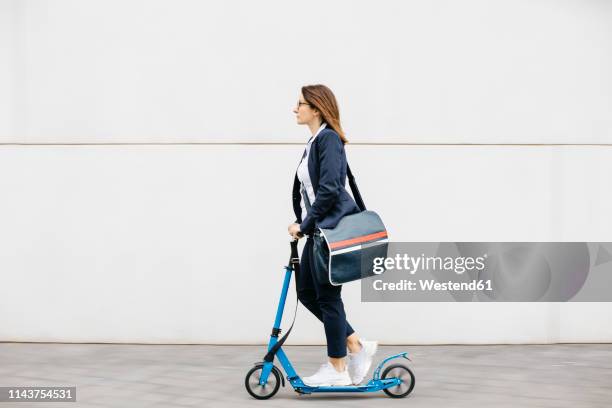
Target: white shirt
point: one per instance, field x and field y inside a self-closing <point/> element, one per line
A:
<point x="304" y="176"/>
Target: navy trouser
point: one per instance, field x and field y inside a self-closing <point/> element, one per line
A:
<point x="324" y="301"/>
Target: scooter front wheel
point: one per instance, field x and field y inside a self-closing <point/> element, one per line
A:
<point x="251" y="382"/>
<point x="404" y="374"/>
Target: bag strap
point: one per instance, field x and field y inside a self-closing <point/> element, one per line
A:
<point x="352" y="184"/>
<point x="294" y="263"/>
<point x="305" y="197"/>
<point x="354" y="189"/>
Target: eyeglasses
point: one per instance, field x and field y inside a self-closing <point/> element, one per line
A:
<point x="300" y="103"/>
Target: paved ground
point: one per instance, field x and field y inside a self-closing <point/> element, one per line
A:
<point x="213" y="376"/>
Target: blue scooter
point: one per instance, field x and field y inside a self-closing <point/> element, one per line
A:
<point x="264" y="379"/>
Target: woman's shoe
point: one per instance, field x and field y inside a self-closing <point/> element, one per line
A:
<point x="360" y="362"/>
<point x="328" y="376"/>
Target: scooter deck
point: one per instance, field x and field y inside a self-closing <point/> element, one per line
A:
<point x="371" y="386"/>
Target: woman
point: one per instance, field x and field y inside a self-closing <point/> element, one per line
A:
<point x="321" y="200"/>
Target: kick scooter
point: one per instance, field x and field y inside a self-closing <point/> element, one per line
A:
<point x="264" y="379"/>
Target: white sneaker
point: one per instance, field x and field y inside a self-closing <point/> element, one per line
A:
<point x="360" y="362"/>
<point x="327" y="376"/>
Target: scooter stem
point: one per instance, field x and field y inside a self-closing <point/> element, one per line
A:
<point x="294" y="258"/>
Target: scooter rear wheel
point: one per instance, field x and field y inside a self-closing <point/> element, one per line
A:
<point x="251" y="382"/>
<point x="404" y="374"/>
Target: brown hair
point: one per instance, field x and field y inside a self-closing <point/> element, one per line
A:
<point x="322" y="99"/>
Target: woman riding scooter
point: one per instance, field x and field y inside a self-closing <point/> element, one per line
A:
<point x="321" y="200"/>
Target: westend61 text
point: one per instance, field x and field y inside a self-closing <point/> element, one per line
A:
<point x="431" y="284"/>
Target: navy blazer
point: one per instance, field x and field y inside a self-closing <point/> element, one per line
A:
<point x="327" y="169"/>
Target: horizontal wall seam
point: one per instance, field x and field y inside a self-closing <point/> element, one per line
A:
<point x="299" y="344"/>
<point x="301" y="144"/>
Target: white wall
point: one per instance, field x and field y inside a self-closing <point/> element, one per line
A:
<point x="515" y="71"/>
<point x="9" y="20"/>
<point x="170" y="243"/>
<point x="174" y="244"/>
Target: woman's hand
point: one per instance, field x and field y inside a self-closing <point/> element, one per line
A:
<point x="294" y="231"/>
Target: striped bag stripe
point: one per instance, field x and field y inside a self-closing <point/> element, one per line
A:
<point x="357" y="240"/>
<point x="355" y="247"/>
